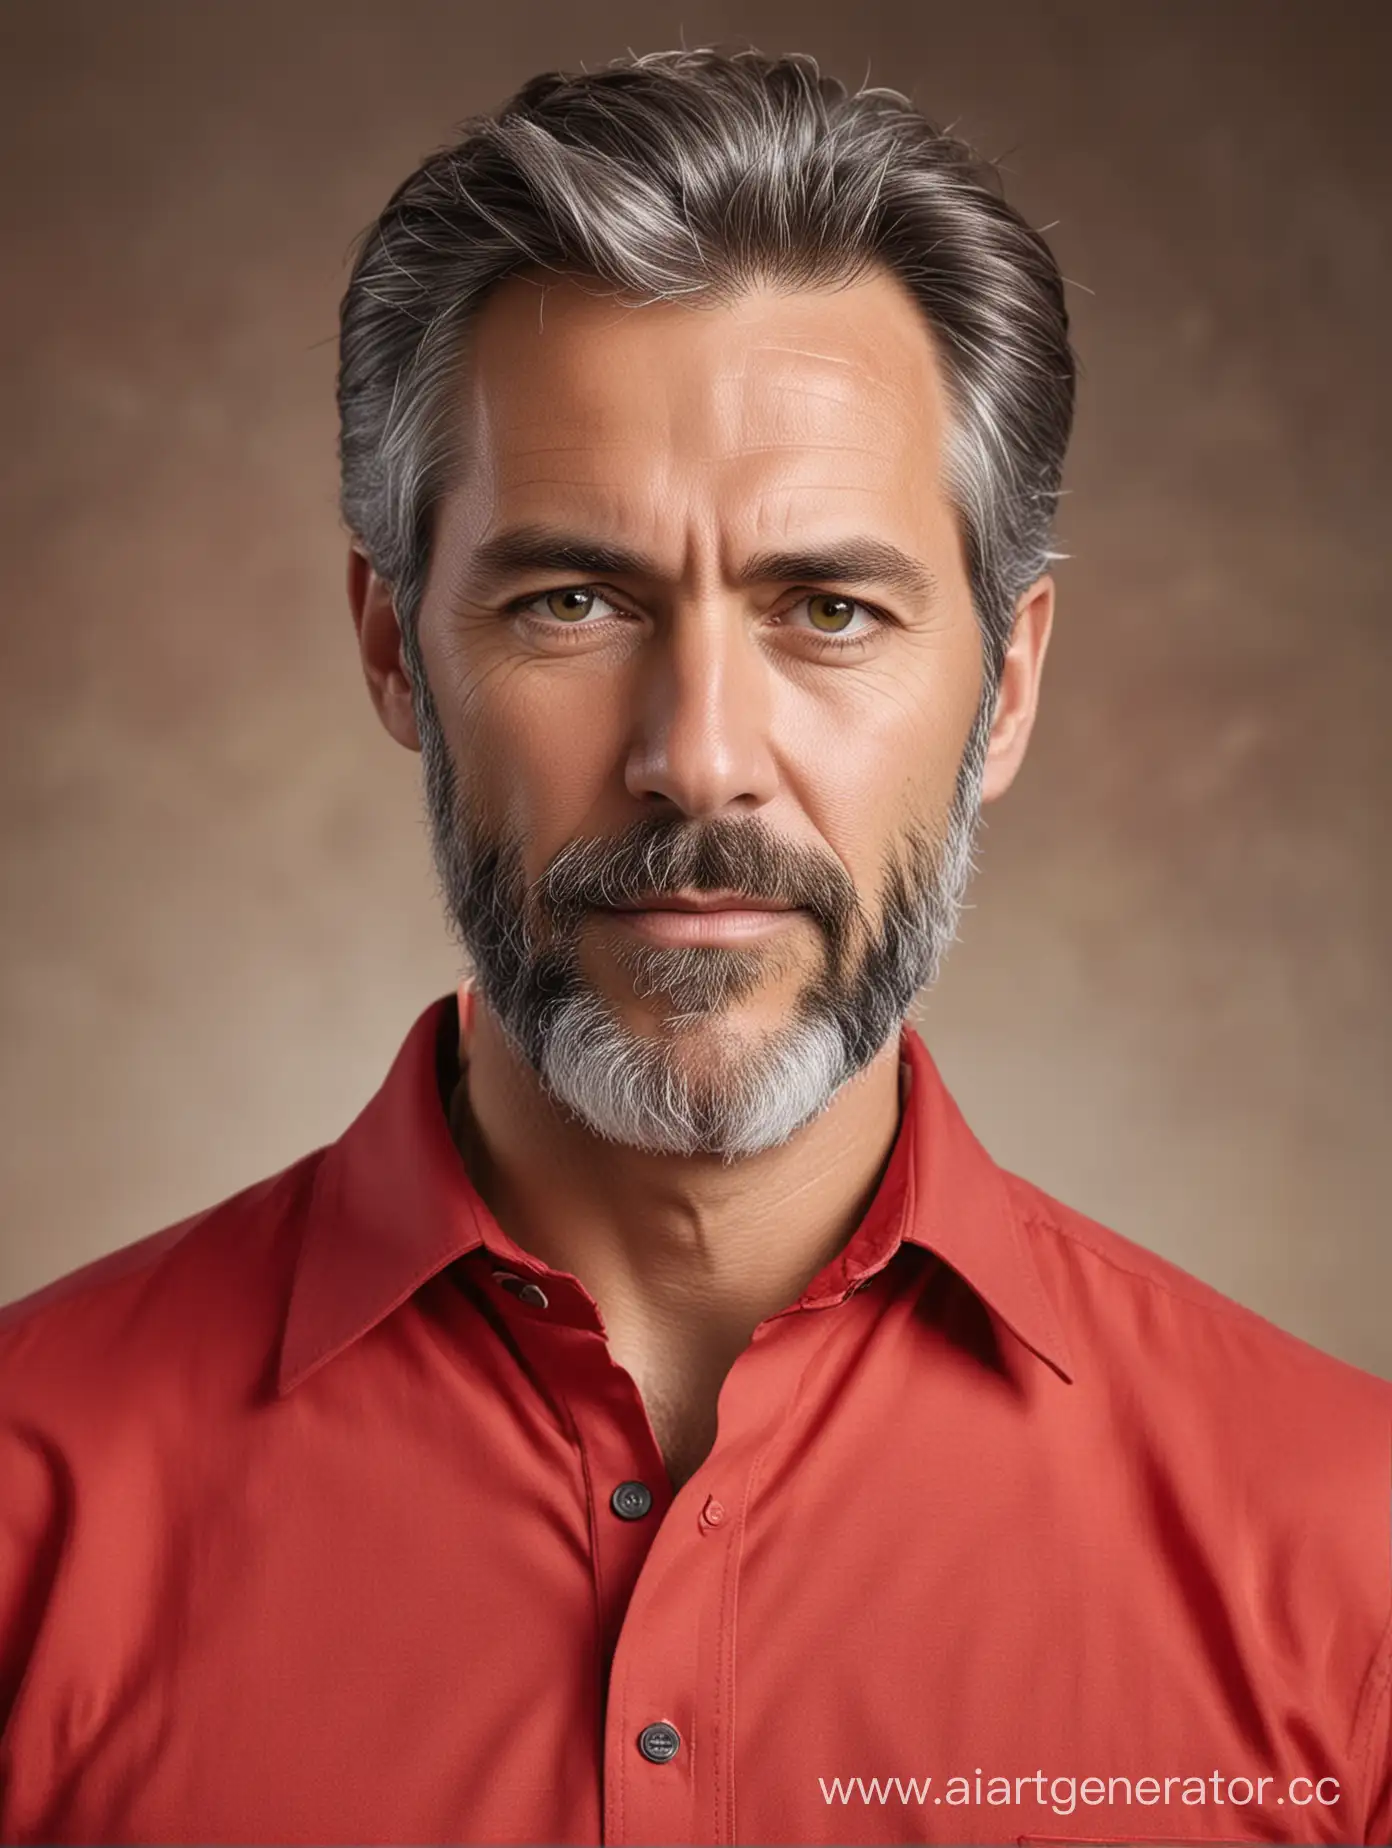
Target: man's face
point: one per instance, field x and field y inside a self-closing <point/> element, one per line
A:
<point x="698" y="624"/>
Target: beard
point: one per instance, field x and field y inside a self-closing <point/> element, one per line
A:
<point x="653" y="1092"/>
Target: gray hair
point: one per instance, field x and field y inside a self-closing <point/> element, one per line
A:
<point x="701" y="174"/>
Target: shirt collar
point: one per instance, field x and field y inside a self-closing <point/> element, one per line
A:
<point x="961" y="1208"/>
<point x="392" y="1204"/>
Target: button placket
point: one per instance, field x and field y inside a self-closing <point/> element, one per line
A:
<point x="627" y="1479"/>
<point x="674" y="1659"/>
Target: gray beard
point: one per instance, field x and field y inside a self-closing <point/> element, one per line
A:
<point x="522" y="943"/>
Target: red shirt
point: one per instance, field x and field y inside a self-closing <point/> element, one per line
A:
<point x="308" y="1533"/>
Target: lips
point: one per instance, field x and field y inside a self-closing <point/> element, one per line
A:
<point x="693" y="919"/>
<point x="703" y="901"/>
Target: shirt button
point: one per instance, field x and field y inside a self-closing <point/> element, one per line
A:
<point x="713" y="1513"/>
<point x="524" y="1292"/>
<point x="659" y="1742"/>
<point x="631" y="1500"/>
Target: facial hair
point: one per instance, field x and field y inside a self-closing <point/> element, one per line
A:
<point x="523" y="943"/>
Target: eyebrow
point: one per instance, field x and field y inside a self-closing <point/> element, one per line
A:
<point x="849" y="561"/>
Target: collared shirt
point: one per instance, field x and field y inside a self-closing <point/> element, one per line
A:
<point x="326" y="1516"/>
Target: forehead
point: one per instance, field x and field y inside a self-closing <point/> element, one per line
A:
<point x="769" y="410"/>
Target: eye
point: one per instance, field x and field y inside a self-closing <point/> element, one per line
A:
<point x="571" y="604"/>
<point x="833" y="615"/>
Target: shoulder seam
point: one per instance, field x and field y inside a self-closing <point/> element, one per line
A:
<point x="1200" y="1301"/>
<point x="1205" y="1296"/>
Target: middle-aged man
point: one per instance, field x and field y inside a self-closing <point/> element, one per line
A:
<point x="657" y="1419"/>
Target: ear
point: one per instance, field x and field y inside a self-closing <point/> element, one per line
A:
<point x="1017" y="697"/>
<point x="379" y="644"/>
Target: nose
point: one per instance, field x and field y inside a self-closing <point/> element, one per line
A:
<point x="701" y="739"/>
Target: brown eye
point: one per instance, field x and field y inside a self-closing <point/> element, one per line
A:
<point x="570" y="605"/>
<point x="831" y="614"/>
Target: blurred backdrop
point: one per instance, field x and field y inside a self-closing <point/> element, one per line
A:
<point x="1170" y="1004"/>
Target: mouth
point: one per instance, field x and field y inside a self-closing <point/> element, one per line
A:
<point x="703" y="901"/>
<point x="701" y="917"/>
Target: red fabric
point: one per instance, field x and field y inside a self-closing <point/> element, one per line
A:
<point x="305" y="1532"/>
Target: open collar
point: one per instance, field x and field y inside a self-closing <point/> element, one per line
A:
<point x="392" y="1204"/>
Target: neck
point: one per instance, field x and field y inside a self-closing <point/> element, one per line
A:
<point x="663" y="1241"/>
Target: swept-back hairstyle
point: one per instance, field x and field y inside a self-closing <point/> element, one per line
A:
<point x="693" y="175"/>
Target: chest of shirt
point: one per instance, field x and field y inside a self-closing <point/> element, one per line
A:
<point x="453" y="1598"/>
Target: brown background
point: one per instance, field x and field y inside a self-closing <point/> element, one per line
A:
<point x="1171" y="1002"/>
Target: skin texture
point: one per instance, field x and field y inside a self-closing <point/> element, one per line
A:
<point x="698" y="437"/>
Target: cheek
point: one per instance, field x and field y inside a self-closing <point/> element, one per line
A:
<point x="881" y="750"/>
<point x="536" y="750"/>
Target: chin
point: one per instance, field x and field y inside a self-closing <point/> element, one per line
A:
<point x="702" y="1032"/>
<point x="734" y="1082"/>
<point x="696" y="991"/>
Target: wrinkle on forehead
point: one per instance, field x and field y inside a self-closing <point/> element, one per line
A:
<point x="671" y="415"/>
<point x="867" y="341"/>
<point x="714" y="418"/>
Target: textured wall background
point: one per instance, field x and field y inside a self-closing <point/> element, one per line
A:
<point x="1171" y="1003"/>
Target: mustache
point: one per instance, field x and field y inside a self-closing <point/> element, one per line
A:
<point x="665" y="855"/>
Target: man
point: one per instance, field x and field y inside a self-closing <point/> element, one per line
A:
<point x="657" y="1419"/>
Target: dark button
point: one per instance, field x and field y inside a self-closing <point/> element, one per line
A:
<point x="631" y="1500"/>
<point x="659" y="1742"/>
<point x="523" y="1291"/>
